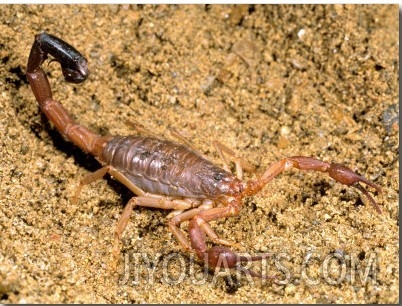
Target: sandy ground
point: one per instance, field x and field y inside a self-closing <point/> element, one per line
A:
<point x="267" y="81"/>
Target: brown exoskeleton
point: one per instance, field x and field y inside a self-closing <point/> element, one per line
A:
<point x="164" y="174"/>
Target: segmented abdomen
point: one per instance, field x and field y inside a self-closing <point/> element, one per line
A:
<point x="164" y="167"/>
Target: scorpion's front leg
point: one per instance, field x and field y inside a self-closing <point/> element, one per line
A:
<point x="218" y="256"/>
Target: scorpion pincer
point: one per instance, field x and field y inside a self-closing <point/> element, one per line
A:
<point x="164" y="174"/>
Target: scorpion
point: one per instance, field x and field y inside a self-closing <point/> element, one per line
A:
<point x="164" y="174"/>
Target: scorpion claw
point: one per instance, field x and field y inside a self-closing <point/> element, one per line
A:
<point x="368" y="196"/>
<point x="348" y="177"/>
<point x="223" y="257"/>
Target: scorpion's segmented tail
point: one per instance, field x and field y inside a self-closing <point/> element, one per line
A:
<point x="75" y="70"/>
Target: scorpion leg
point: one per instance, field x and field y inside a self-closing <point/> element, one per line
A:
<point x="175" y="133"/>
<point x="90" y="178"/>
<point x="239" y="162"/>
<point x="177" y="232"/>
<point x="218" y="256"/>
<point x="142" y="129"/>
<point x="100" y="173"/>
<point x="148" y="200"/>
<point x="142" y="199"/>
<point x="338" y="172"/>
<point x="187" y="215"/>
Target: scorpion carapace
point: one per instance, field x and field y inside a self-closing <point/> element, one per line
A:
<point x="164" y="174"/>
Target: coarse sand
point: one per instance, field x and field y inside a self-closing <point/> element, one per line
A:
<point x="268" y="81"/>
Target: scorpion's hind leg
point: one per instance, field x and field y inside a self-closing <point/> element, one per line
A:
<point x="142" y="129"/>
<point x="141" y="199"/>
<point x="144" y="200"/>
<point x="147" y="200"/>
<point x="338" y="172"/>
<point x="90" y="178"/>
